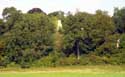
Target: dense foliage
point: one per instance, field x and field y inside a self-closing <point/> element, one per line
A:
<point x="31" y="39"/>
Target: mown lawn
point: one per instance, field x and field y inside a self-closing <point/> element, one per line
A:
<point x="62" y="74"/>
<point x="79" y="71"/>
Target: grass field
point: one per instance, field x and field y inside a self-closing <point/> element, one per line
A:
<point x="78" y="71"/>
<point x="61" y="74"/>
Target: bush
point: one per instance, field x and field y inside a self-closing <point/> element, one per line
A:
<point x="46" y="61"/>
<point x="118" y="58"/>
<point x="94" y="60"/>
<point x="13" y="64"/>
<point x="71" y="60"/>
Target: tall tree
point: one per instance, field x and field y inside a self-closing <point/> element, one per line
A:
<point x="30" y="39"/>
<point x="10" y="16"/>
<point x="119" y="18"/>
<point x="85" y="32"/>
<point x="75" y="32"/>
<point x="35" y="10"/>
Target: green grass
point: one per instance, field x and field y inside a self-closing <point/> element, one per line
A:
<point x="62" y="74"/>
<point x="77" y="71"/>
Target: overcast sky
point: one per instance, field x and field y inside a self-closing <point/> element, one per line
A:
<point x="65" y="5"/>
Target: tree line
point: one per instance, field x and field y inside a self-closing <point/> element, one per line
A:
<point x="31" y="39"/>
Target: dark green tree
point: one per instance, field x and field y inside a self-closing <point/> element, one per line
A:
<point x="119" y="18"/>
<point x="2" y="27"/>
<point x="86" y="32"/>
<point x="10" y="16"/>
<point x="30" y="39"/>
<point x="76" y="33"/>
<point x="35" y="10"/>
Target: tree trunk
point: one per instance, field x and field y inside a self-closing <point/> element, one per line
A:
<point x="78" y="53"/>
<point x="77" y="49"/>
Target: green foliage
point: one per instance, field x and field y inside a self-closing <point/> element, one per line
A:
<point x="31" y="39"/>
<point x="35" y="10"/>
<point x="119" y="18"/>
<point x="58" y="14"/>
<point x="2" y="28"/>
<point x="71" y="60"/>
<point x="122" y="41"/>
<point x="86" y="31"/>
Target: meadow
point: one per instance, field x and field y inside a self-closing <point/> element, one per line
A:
<point x="72" y="71"/>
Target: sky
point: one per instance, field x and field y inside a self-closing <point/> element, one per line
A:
<point x="48" y="6"/>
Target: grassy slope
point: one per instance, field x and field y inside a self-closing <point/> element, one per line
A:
<point x="75" y="71"/>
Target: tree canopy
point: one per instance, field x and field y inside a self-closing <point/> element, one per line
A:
<point x="31" y="39"/>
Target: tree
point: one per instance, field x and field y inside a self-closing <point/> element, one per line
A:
<point x="85" y="32"/>
<point x="119" y="18"/>
<point x="103" y="33"/>
<point x="122" y="41"/>
<point x="58" y="14"/>
<point x="75" y="33"/>
<point x="2" y="27"/>
<point x="35" y="10"/>
<point x="10" y="16"/>
<point x="30" y="39"/>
